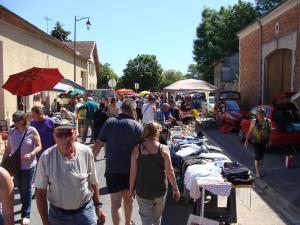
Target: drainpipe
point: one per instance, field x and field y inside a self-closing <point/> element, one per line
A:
<point x="262" y="86"/>
<point x="295" y="54"/>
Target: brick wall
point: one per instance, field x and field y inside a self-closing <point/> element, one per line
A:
<point x="297" y="55"/>
<point x="287" y="22"/>
<point x="250" y="80"/>
<point x="250" y="69"/>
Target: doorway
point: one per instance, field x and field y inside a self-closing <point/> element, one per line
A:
<point x="278" y="67"/>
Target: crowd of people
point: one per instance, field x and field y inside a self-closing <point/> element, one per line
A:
<point x="133" y="132"/>
<point x="138" y="163"/>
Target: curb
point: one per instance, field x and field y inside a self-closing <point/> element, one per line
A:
<point x="288" y="210"/>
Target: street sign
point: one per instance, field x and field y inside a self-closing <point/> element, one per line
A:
<point x="112" y="83"/>
<point x="136" y="86"/>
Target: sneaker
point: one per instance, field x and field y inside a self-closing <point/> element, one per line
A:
<point x="25" y="221"/>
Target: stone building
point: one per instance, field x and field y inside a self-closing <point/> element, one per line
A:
<point x="269" y="55"/>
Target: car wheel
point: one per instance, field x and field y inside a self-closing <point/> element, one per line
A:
<point x="241" y="135"/>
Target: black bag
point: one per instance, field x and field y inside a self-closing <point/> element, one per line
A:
<point x="13" y="163"/>
<point x="236" y="172"/>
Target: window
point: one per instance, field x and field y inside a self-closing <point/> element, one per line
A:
<point x="234" y="106"/>
<point x="92" y="68"/>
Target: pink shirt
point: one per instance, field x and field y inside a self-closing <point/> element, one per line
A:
<point x="15" y="137"/>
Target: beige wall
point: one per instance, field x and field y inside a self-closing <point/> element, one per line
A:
<point x="22" y="50"/>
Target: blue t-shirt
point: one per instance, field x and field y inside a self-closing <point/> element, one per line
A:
<point x="45" y="130"/>
<point x="120" y="135"/>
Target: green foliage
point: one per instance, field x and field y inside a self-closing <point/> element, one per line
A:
<point x="170" y="77"/>
<point x="265" y="6"/>
<point x="216" y="35"/>
<point x="59" y="33"/>
<point x="193" y="73"/>
<point x="145" y="70"/>
<point x="105" y="74"/>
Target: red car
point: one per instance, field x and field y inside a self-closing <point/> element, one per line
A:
<point x="231" y="113"/>
<point x="284" y="117"/>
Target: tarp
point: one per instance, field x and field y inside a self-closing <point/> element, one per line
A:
<point x="190" y="85"/>
<point x="66" y="85"/>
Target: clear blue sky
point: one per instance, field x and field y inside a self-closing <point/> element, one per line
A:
<point x="123" y="29"/>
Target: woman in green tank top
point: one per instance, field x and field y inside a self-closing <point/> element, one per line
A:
<point x="150" y="167"/>
<point x="260" y="131"/>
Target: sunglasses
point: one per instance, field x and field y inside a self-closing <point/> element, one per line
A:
<point x="64" y="134"/>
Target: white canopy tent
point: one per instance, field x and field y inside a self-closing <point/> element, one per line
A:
<point x="190" y="85"/>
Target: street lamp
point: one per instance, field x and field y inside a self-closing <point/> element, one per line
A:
<point x="88" y="26"/>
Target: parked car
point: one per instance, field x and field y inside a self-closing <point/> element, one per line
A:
<point x="209" y="105"/>
<point x="231" y="113"/>
<point x="229" y="95"/>
<point x="284" y="117"/>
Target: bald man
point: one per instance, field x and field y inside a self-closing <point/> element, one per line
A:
<point x="6" y="198"/>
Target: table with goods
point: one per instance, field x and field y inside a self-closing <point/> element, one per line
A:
<point x="203" y="173"/>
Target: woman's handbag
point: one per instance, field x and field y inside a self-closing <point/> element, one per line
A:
<point x="13" y="163"/>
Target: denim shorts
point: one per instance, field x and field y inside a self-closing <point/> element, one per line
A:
<point x="86" y="216"/>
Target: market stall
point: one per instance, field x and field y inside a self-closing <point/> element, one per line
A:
<point x="198" y="88"/>
<point x="204" y="172"/>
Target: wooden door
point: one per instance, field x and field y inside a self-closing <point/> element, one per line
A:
<point x="278" y="73"/>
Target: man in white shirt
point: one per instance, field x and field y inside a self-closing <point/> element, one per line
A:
<point x="148" y="111"/>
<point x="119" y="103"/>
<point x="66" y="177"/>
<point x="6" y="198"/>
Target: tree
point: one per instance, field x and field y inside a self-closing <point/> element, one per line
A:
<point x="59" y="33"/>
<point x="192" y="72"/>
<point x="145" y="70"/>
<point x="216" y="35"/>
<point x="264" y="6"/>
<point x="170" y="77"/>
<point x="105" y="74"/>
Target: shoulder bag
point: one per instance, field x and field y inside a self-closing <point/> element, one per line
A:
<point x="12" y="163"/>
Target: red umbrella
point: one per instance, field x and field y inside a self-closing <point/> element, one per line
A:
<point x="32" y="81"/>
<point x="125" y="91"/>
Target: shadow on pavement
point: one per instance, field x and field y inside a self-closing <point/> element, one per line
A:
<point x="175" y="213"/>
<point x="279" y="187"/>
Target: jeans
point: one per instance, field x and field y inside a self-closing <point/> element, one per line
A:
<point x="151" y="210"/>
<point x="86" y="216"/>
<point x="1" y="220"/>
<point x="24" y="181"/>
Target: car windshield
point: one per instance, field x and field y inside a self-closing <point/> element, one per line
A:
<point x="211" y="100"/>
<point x="287" y="120"/>
<point x="234" y="106"/>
